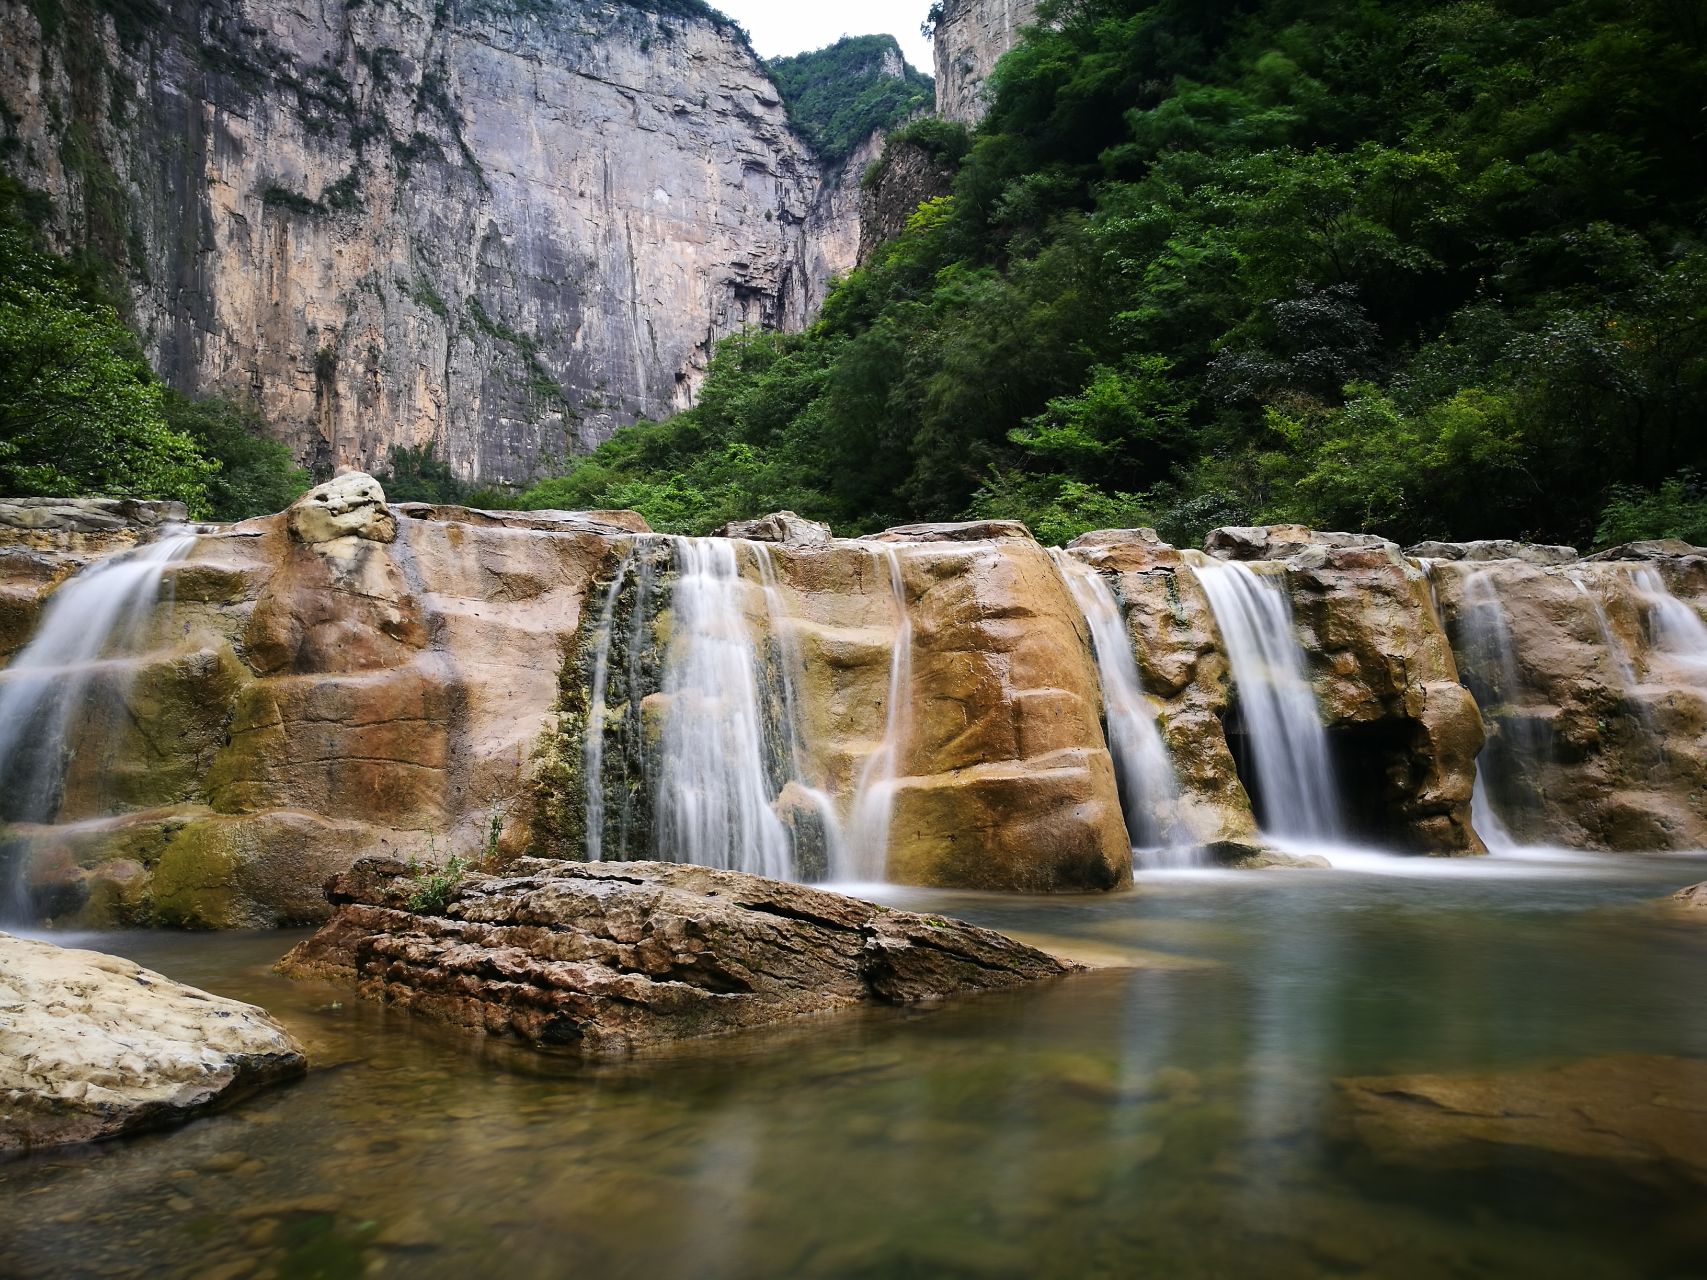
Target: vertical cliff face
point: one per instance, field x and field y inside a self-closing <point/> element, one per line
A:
<point x="500" y="227"/>
<point x="971" y="38"/>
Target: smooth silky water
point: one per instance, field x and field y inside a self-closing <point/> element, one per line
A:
<point x="1176" y="1120"/>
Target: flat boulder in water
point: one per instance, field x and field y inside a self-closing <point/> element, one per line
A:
<point x="1695" y="896"/>
<point x="609" y="958"/>
<point x="92" y="1046"/>
<point x="1642" y="1116"/>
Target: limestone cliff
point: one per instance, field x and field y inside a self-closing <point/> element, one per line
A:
<point x="971" y="37"/>
<point x="499" y="227"/>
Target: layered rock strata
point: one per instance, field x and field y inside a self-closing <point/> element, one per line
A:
<point x="498" y="229"/>
<point x="611" y="959"/>
<point x="92" y="1046"/>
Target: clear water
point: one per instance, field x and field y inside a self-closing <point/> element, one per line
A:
<point x="1020" y="1135"/>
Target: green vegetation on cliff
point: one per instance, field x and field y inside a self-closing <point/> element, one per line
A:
<point x="1429" y="269"/>
<point x="837" y="96"/>
<point x="82" y="413"/>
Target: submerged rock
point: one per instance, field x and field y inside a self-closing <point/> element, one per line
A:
<point x="1245" y="855"/>
<point x="92" y="1046"/>
<point x="1695" y="896"/>
<point x="1644" y="1116"/>
<point x="611" y="958"/>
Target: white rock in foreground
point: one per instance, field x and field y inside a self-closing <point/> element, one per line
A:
<point x="92" y="1046"/>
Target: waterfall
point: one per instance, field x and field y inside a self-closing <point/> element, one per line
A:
<point x="714" y="799"/>
<point x="1149" y="790"/>
<point x="1516" y="745"/>
<point x="874" y="797"/>
<point x="1615" y="650"/>
<point x="96" y="615"/>
<point x="791" y="670"/>
<point x="1282" y="721"/>
<point x="1677" y="629"/>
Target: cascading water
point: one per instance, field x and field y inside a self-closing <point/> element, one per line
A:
<point x="874" y="799"/>
<point x="1149" y="789"/>
<point x="713" y="801"/>
<point x="1677" y="629"/>
<point x="1283" y="723"/>
<point x="1517" y="744"/>
<point x="1615" y="650"/>
<point x="93" y="618"/>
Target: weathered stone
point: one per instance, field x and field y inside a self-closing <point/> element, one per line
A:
<point x="92" y="1046"/>
<point x="1599" y="727"/>
<point x="1644" y="1117"/>
<point x="1664" y="549"/>
<point x="1695" y="897"/>
<point x="352" y="506"/>
<point x="1281" y="541"/>
<point x="89" y="515"/>
<point x="953" y="531"/>
<point x="615" y="958"/>
<point x="907" y="176"/>
<point x="1247" y="855"/>
<point x="1493" y="549"/>
<point x="783" y="527"/>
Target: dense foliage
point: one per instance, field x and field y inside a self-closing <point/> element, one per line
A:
<point x="1430" y="269"/>
<point x="837" y="96"/>
<point x="82" y="414"/>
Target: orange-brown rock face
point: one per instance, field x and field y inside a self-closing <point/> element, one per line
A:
<point x="349" y="679"/>
<point x="1593" y="676"/>
<point x="1403" y="732"/>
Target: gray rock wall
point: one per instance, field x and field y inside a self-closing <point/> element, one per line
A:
<point x="502" y="229"/>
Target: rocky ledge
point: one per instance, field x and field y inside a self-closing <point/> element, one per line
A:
<point x="607" y="959"/>
<point x="92" y="1046"/>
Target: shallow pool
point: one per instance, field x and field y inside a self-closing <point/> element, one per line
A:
<point x="1174" y="1120"/>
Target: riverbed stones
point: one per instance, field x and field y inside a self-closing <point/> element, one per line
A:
<point x="608" y="959"/>
<point x="92" y="1046"/>
<point x="1694" y="898"/>
<point x="1643" y="1117"/>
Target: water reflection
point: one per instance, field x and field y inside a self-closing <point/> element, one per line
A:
<point x="1171" y="1121"/>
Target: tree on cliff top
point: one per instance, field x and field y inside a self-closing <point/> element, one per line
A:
<point x="838" y="96"/>
<point x="1435" y="268"/>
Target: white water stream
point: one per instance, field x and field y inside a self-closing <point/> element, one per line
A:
<point x="94" y="617"/>
<point x="1281" y="718"/>
<point x="1149" y="789"/>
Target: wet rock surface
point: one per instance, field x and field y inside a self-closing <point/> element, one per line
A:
<point x="607" y="959"/>
<point x="1695" y="897"/>
<point x="92" y="1046"/>
<point x="1644" y="1116"/>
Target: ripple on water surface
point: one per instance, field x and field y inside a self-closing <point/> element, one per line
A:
<point x="1177" y="1119"/>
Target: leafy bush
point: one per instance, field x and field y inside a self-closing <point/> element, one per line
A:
<point x="1677" y="509"/>
<point x="257" y="475"/>
<point x="839" y="95"/>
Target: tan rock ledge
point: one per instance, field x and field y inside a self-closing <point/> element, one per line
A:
<point x="608" y="959"/>
<point x="92" y="1046"/>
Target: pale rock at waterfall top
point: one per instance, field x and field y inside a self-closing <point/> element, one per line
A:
<point x="352" y="506"/>
<point x="609" y="959"/>
<point x="1493" y="549"/>
<point x="1279" y="541"/>
<point x="782" y="527"/>
<point x="92" y="1046"/>
<point x="1661" y="550"/>
<point x="89" y="515"/>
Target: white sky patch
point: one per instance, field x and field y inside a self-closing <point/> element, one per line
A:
<point x="782" y="27"/>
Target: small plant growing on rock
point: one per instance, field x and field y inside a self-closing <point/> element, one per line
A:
<point x="435" y="885"/>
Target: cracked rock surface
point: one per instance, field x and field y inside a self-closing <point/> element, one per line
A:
<point x="610" y="958"/>
<point x="92" y="1046"/>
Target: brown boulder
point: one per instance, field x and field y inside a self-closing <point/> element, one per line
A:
<point x="608" y="959"/>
